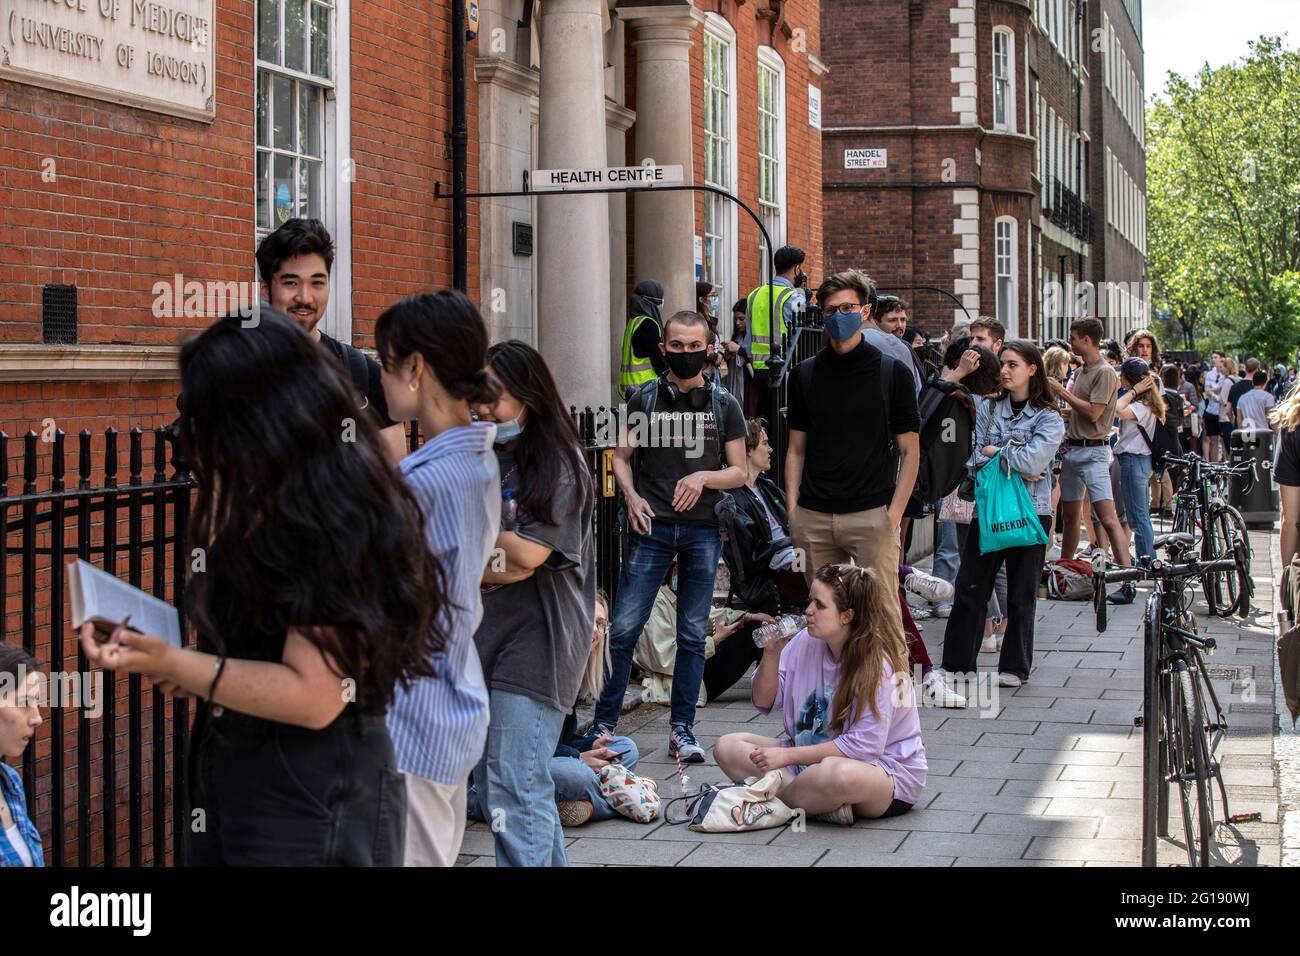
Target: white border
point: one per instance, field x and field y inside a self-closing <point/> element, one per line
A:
<point x="769" y="58"/>
<point x="721" y="30"/>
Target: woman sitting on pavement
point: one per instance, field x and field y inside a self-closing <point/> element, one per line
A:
<point x="853" y="733"/>
<point x="1026" y="427"/>
<point x="20" y="681"/>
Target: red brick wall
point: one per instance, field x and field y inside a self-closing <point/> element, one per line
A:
<point x="401" y="143"/>
<point x="755" y="27"/>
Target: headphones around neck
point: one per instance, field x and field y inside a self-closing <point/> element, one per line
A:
<point x="698" y="397"/>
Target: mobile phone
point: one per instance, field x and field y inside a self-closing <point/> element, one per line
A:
<point x="645" y="516"/>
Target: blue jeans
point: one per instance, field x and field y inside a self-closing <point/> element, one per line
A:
<point x="946" y="556"/>
<point x="574" y="780"/>
<point x="1135" y="472"/>
<point x="513" y="781"/>
<point x="697" y="549"/>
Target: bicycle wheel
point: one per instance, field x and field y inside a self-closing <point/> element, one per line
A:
<point x="1226" y="528"/>
<point x="1189" y="765"/>
<point x="1153" y="782"/>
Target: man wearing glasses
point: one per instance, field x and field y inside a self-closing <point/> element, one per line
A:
<point x="851" y="466"/>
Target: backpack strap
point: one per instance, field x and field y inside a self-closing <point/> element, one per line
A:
<point x="887" y="364"/>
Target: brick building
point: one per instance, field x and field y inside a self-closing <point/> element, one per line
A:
<point x="146" y="147"/>
<point x="966" y="146"/>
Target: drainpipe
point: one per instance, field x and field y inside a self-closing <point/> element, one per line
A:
<point x="459" y="145"/>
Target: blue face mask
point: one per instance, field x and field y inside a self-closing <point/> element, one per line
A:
<point x="841" y="326"/>
<point x="508" y="431"/>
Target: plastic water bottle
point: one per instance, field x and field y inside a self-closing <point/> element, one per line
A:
<point x="509" y="510"/>
<point x="787" y="625"/>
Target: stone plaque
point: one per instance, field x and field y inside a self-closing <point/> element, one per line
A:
<point x="154" y="54"/>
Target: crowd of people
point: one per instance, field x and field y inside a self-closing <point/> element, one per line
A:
<point x="391" y="643"/>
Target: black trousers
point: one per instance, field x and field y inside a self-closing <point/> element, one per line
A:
<point x="730" y="661"/>
<point x="264" y="793"/>
<point x="975" y="577"/>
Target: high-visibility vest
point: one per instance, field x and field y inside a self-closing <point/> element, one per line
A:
<point x="758" y="304"/>
<point x="635" y="370"/>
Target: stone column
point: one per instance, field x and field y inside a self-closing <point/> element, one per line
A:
<point x="573" y="230"/>
<point x="665" y="222"/>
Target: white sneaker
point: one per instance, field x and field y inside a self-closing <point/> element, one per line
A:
<point x="991" y="644"/>
<point x="928" y="586"/>
<point x="938" y="693"/>
<point x="921" y="613"/>
<point x="943" y="610"/>
<point x="841" y="815"/>
<point x="1009" y="680"/>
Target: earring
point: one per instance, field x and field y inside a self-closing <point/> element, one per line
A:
<point x="413" y="385"/>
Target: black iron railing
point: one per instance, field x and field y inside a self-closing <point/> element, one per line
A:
<point x="1070" y="212"/>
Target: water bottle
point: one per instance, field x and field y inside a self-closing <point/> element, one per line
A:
<point x="509" y="510"/>
<point x="787" y="625"/>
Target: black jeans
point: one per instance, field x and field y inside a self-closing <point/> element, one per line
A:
<point x="961" y="640"/>
<point x="273" y="794"/>
<point x="731" y="660"/>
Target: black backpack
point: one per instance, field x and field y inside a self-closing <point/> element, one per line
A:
<point x="1163" y="441"/>
<point x="947" y="426"/>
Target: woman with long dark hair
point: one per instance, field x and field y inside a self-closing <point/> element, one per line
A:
<point x="537" y="610"/>
<point x="432" y="348"/>
<point x="1140" y="411"/>
<point x="853" y="730"/>
<point x="317" y="600"/>
<point x="1025" y="426"/>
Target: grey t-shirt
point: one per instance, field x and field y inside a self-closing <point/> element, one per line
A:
<point x="536" y="634"/>
<point x="895" y="348"/>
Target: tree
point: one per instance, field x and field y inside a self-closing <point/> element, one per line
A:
<point x="1223" y="186"/>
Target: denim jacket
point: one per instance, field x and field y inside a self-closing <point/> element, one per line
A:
<point x="1028" y="441"/>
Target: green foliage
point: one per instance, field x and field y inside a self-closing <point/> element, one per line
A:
<point x="1223" y="198"/>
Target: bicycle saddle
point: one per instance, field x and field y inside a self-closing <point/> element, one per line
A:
<point x="1177" y="537"/>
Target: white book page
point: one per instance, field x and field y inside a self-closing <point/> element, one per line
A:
<point x="106" y="598"/>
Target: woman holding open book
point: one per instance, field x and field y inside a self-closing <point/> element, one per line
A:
<point x="318" y="598"/>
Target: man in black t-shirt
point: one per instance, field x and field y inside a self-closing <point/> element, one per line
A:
<point x="1239" y="391"/>
<point x="681" y="443"/>
<point x="294" y="263"/>
<point x="850" y="467"/>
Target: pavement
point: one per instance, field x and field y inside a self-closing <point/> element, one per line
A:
<point x="1046" y="775"/>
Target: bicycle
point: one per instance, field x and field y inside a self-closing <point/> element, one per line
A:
<point x="1200" y="504"/>
<point x="1180" y="732"/>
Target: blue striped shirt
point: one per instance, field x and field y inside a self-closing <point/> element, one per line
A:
<point x="11" y="791"/>
<point x="439" y="725"/>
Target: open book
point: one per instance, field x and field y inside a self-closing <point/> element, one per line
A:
<point x="105" y="601"/>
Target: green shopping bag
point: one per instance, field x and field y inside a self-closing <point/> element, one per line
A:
<point x="1005" y="511"/>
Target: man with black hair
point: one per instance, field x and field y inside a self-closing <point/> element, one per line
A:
<point x="294" y="263"/>
<point x="763" y="337"/>
<point x="1232" y="410"/>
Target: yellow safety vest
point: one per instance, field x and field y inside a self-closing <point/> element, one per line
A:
<point x="635" y="370"/>
<point x="758" y="304"/>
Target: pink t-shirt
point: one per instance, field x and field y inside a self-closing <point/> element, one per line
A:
<point x="805" y="690"/>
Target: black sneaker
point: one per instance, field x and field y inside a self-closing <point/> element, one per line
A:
<point x="1124" y="595"/>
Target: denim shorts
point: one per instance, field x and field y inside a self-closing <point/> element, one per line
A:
<point x="1086" y="469"/>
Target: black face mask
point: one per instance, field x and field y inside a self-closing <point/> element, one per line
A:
<point x="686" y="365"/>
